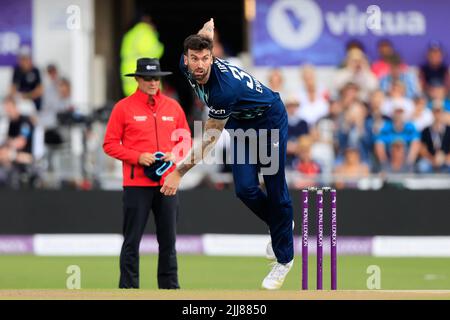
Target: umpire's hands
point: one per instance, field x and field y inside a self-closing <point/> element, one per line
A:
<point x="171" y="183"/>
<point x="169" y="156"/>
<point x="146" y="159"/>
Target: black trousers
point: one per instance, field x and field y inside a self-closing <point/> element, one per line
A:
<point x="137" y="203"/>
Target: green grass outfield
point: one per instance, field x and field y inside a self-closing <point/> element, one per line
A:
<point x="223" y="273"/>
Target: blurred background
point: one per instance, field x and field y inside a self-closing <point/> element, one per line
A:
<point x="345" y="84"/>
<point x="365" y="84"/>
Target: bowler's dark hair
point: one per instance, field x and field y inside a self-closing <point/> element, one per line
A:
<point x="197" y="43"/>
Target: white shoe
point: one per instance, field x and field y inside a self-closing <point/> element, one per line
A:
<point x="276" y="276"/>
<point x="270" y="255"/>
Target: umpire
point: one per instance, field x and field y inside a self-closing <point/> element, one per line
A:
<point x="140" y="133"/>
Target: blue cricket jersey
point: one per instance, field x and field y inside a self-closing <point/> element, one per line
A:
<point x="388" y="134"/>
<point x="230" y="91"/>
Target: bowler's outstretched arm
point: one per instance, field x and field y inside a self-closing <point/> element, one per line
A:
<point x="213" y="128"/>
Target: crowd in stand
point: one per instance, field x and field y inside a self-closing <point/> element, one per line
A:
<point x="379" y="117"/>
<point x="32" y="101"/>
<point x="376" y="117"/>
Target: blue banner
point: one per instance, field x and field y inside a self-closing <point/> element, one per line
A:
<point x="15" y="29"/>
<point x="292" y="32"/>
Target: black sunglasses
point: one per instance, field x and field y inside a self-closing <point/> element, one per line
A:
<point x="150" y="78"/>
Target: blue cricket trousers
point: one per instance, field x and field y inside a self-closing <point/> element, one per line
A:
<point x="274" y="206"/>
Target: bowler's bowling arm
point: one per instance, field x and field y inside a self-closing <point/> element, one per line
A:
<point x="208" y="29"/>
<point x="212" y="131"/>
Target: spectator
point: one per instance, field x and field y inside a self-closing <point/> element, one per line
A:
<point x="142" y="40"/>
<point x="310" y="83"/>
<point x="349" y="124"/>
<point x="312" y="99"/>
<point x="20" y="132"/>
<point x="354" y="44"/>
<point x="276" y="82"/>
<point x="16" y="152"/>
<point x="324" y="136"/>
<point x="50" y="97"/>
<point x="349" y="95"/>
<point x="27" y="79"/>
<point x="65" y="96"/>
<point x="398" y="159"/>
<point x="434" y="69"/>
<point x="422" y="117"/>
<point x="65" y="93"/>
<point x="395" y="130"/>
<point x="382" y="66"/>
<point x="351" y="170"/>
<point x="51" y="105"/>
<point x="350" y="45"/>
<point x="68" y="113"/>
<point x="374" y="122"/>
<point x="351" y="131"/>
<point x="297" y="127"/>
<point x="438" y="92"/>
<point x="399" y="72"/>
<point x="397" y="98"/>
<point x="357" y="70"/>
<point x="435" y="148"/>
<point x="304" y="163"/>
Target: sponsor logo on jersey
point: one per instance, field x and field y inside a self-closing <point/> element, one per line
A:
<point x="140" y="118"/>
<point x="165" y="118"/>
<point x="218" y="112"/>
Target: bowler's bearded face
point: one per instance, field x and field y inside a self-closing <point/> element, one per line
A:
<point x="199" y="64"/>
